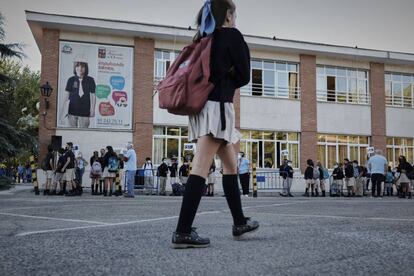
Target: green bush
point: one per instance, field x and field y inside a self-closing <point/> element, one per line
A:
<point x="5" y="183"/>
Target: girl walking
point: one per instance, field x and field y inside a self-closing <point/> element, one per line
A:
<point x="214" y="127"/>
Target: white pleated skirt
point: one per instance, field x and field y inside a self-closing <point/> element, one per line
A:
<point x="208" y="122"/>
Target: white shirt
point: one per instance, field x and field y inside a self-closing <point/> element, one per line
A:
<point x="377" y="163"/>
<point x="147" y="169"/>
<point x="131" y="164"/>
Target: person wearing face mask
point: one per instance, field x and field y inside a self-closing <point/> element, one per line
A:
<point x="130" y="167"/>
<point x="244" y="173"/>
<point x="283" y="175"/>
<point x="288" y="172"/>
<point x="173" y="170"/>
<point x="210" y="181"/>
<point x="404" y="169"/>
<point x="184" y="172"/>
<point x="338" y="176"/>
<point x="81" y="163"/>
<point x="309" y="178"/>
<point x="101" y="160"/>
<point x="378" y="166"/>
<point x="69" y="169"/>
<point x="358" y="191"/>
<point x="349" y="177"/>
<point x="149" y="176"/>
<point x="389" y="180"/>
<point x="96" y="172"/>
<point x="323" y="176"/>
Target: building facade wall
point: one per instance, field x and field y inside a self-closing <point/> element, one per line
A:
<point x="344" y="119"/>
<point x="399" y="122"/>
<point x="378" y="122"/>
<point x="49" y="69"/>
<point x="337" y="62"/>
<point x="308" y="139"/>
<point x="163" y="118"/>
<point x="143" y="91"/>
<point x="305" y="116"/>
<point x="97" y="38"/>
<point x="260" y="113"/>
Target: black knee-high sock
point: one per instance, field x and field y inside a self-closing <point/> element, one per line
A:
<point x="191" y="200"/>
<point x="232" y="193"/>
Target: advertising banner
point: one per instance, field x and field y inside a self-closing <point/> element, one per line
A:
<point x="95" y="86"/>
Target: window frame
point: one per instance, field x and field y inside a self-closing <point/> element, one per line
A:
<point x="326" y="72"/>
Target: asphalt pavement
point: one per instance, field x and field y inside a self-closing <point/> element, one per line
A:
<point x="95" y="235"/>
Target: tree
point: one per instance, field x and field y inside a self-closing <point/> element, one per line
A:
<point x="18" y="98"/>
<point x="8" y="50"/>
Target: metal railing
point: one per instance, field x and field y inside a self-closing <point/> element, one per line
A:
<point x="272" y="180"/>
<point x="271" y="91"/>
<point x="342" y="97"/>
<point x="399" y="101"/>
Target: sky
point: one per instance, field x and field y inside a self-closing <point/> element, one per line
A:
<point x="374" y="24"/>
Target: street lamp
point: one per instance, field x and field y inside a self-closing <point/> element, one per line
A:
<point x="46" y="91"/>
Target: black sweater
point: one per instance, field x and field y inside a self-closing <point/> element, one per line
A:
<point x="229" y="64"/>
<point x="309" y="172"/>
<point x="349" y="171"/>
<point x="404" y="167"/>
<point x="338" y="174"/>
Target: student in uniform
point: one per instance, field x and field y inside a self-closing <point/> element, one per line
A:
<point x="50" y="167"/>
<point x="338" y="182"/>
<point x="289" y="178"/>
<point x="309" y="180"/>
<point x="349" y="177"/>
<point x="210" y="182"/>
<point x="214" y="127"/>
<point x="184" y="172"/>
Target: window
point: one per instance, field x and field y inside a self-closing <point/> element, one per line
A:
<point x="399" y="146"/>
<point x="268" y="149"/>
<point x="335" y="148"/>
<point x="257" y="79"/>
<point x="162" y="62"/>
<point x="342" y="85"/>
<point x="273" y="79"/>
<point x="168" y="142"/>
<point x="399" y="90"/>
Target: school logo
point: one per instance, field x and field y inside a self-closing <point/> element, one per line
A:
<point x="67" y="49"/>
<point x="102" y="53"/>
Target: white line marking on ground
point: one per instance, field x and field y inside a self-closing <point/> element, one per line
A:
<point x="340" y="217"/>
<point x="50" y="218"/>
<point x="109" y="224"/>
<point x="138" y="221"/>
<point x="100" y="225"/>
<point x="270" y="205"/>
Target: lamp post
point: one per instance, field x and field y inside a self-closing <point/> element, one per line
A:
<point x="46" y="91"/>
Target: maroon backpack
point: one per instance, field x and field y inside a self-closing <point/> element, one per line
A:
<point x="186" y="87"/>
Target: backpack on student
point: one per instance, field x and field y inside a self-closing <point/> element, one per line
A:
<point x="325" y="173"/>
<point x="113" y="164"/>
<point x="315" y="173"/>
<point x="389" y="178"/>
<point x="186" y="87"/>
<point x="96" y="169"/>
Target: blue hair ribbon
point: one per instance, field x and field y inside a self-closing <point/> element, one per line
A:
<point x="208" y="24"/>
